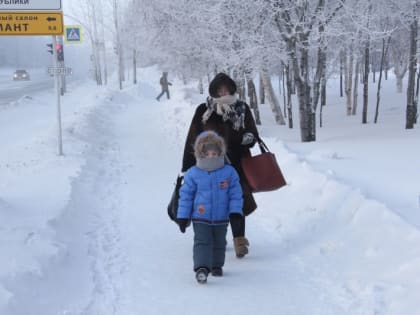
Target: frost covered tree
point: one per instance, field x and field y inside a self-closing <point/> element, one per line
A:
<point x="399" y="55"/>
<point x="90" y="14"/>
<point x="412" y="98"/>
<point x="309" y="40"/>
<point x="303" y="26"/>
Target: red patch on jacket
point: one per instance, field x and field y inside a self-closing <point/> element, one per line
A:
<point x="201" y="209"/>
<point x="224" y="184"/>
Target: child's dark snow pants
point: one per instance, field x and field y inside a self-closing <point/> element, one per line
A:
<point x="209" y="245"/>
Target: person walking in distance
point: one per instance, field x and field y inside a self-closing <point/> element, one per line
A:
<point x="164" y="83"/>
<point x="210" y="194"/>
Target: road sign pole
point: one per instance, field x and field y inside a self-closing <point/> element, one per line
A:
<point x="57" y="89"/>
<point x="36" y="17"/>
<point x="62" y="64"/>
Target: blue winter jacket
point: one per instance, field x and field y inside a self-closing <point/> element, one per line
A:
<point x="209" y="197"/>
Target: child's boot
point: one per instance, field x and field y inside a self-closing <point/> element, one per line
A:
<point x="201" y="275"/>
<point x="217" y="272"/>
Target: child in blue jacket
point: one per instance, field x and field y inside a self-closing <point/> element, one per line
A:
<point x="210" y="194"/>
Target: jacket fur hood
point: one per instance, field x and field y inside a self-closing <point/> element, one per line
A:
<point x="208" y="140"/>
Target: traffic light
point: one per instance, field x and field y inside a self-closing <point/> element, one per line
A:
<point x="50" y="50"/>
<point x="60" y="52"/>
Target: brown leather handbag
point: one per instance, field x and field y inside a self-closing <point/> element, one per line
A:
<point x="262" y="171"/>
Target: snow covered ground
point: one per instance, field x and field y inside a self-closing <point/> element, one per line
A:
<point x="88" y="233"/>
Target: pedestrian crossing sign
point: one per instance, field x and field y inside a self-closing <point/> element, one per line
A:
<point x="73" y="34"/>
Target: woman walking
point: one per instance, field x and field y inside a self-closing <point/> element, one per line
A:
<point x="231" y="119"/>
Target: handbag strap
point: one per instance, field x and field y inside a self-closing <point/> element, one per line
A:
<point x="179" y="180"/>
<point x="262" y="145"/>
<point x="227" y="160"/>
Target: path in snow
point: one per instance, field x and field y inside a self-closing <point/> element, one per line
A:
<point x="159" y="277"/>
<point x="81" y="277"/>
<point x="119" y="253"/>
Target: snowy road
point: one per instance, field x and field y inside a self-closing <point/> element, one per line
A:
<point x="117" y="253"/>
<point x="12" y="91"/>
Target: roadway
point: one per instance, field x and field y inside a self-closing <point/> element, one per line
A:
<point x="11" y="91"/>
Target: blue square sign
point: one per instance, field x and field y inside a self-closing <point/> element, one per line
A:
<point x="73" y="34"/>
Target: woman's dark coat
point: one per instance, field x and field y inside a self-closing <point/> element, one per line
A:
<point x="233" y="139"/>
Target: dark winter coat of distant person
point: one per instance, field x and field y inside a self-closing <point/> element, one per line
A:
<point x="164" y="83"/>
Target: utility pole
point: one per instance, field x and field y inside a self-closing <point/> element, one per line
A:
<point x="60" y="59"/>
<point x="57" y="89"/>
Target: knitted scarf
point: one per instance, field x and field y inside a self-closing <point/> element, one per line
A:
<point x="210" y="164"/>
<point x="228" y="107"/>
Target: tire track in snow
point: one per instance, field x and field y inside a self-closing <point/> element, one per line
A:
<point x="103" y="181"/>
<point x="83" y="277"/>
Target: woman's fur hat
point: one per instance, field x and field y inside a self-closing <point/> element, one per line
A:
<point x="221" y="79"/>
<point x="209" y="140"/>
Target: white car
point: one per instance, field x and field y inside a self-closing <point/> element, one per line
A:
<point x="21" y="75"/>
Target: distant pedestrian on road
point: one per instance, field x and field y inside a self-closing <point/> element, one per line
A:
<point x="210" y="195"/>
<point x="164" y="83"/>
